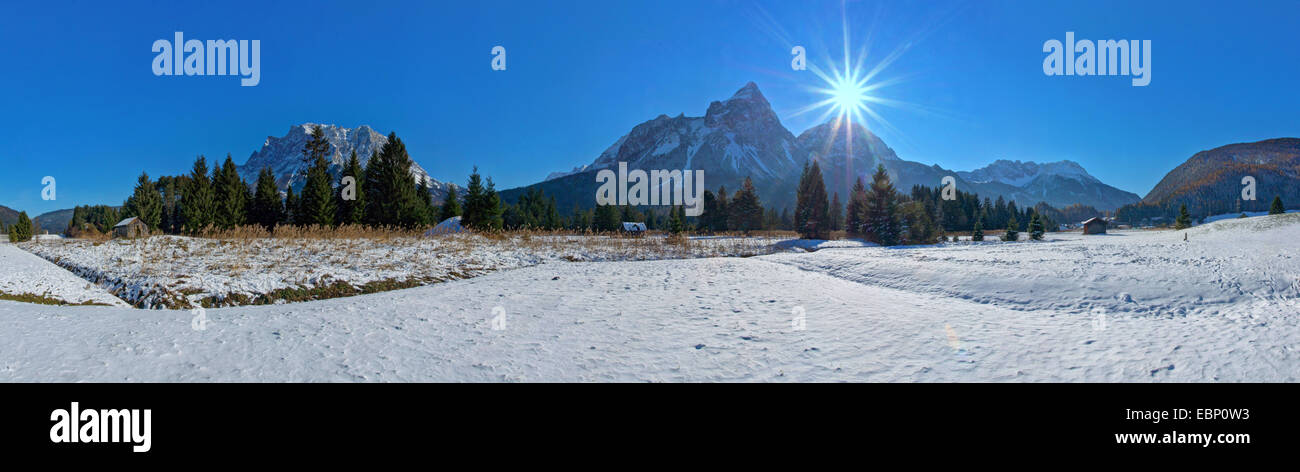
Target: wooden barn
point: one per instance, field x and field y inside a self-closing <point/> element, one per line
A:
<point x="130" y="228"/>
<point x="1094" y="226"/>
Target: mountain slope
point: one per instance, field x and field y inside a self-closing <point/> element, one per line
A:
<point x="55" y="221"/>
<point x="283" y="156"/>
<point x="1210" y="181"/>
<point x="8" y="216"/>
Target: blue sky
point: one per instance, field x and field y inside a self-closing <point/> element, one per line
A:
<point x="80" y="102"/>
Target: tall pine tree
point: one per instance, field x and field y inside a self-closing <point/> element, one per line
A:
<point x="812" y="210"/>
<point x="390" y="187"/>
<point x="196" y="199"/>
<point x="450" y="206"/>
<point x="881" y="220"/>
<point x="745" y="212"/>
<point x="267" y="209"/>
<point x="350" y="197"/>
<point x="229" y="196"/>
<point x="146" y="202"/>
<point x="316" y="204"/>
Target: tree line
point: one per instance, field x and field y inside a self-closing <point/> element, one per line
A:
<point x="383" y="193"/>
<point x="880" y="214"/>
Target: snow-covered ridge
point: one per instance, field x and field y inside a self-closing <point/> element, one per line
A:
<point x="1018" y="173"/>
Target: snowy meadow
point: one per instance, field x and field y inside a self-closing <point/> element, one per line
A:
<point x="1216" y="303"/>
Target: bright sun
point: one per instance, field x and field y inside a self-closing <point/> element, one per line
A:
<point x="849" y="96"/>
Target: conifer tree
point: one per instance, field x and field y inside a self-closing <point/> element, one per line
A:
<point x="1184" y="219"/>
<point x="267" y="210"/>
<point x="812" y="210"/>
<point x="1013" y="230"/>
<point x="450" y="206"/>
<point x="292" y="211"/>
<point x="170" y="205"/>
<point x="317" y="199"/>
<point x="21" y="230"/>
<point x="606" y="218"/>
<point x="857" y="209"/>
<point x="882" y="210"/>
<point x="350" y="198"/>
<point x="978" y="233"/>
<point x="425" y="212"/>
<point x="1035" y="228"/>
<point x="197" y="200"/>
<point x="675" y="223"/>
<point x="229" y="196"/>
<point x="745" y="212"/>
<point x="1276" y="208"/>
<point x="390" y="187"/>
<point x="146" y="202"/>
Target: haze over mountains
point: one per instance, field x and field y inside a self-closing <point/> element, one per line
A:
<point x="742" y="136"/>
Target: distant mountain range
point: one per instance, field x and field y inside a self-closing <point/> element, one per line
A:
<point x="54" y="222"/>
<point x="1210" y="182"/>
<point x="283" y="155"/>
<point x="742" y="137"/>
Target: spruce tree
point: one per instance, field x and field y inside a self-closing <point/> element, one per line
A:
<point x="22" y="230"/>
<point x="317" y="199"/>
<point x="607" y="218"/>
<point x="292" y="210"/>
<point x="745" y="211"/>
<point x="675" y="223"/>
<point x="196" y="199"/>
<point x="978" y="233"/>
<point x="1276" y="208"/>
<point x="1013" y="230"/>
<point x="390" y="187"/>
<point x="882" y="210"/>
<point x="170" y="207"/>
<point x="229" y="196"/>
<point x="1184" y="219"/>
<point x="812" y="210"/>
<point x="146" y="202"/>
<point x="425" y="212"/>
<point x="350" y="200"/>
<point x="450" y="206"/>
<point x="267" y="209"/>
<point x="1036" y="228"/>
<point x="857" y="209"/>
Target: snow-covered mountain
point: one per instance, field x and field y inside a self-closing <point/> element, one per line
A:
<point x="742" y="137"/>
<point x="283" y="155"/>
<point x="1019" y="174"/>
<point x="736" y="138"/>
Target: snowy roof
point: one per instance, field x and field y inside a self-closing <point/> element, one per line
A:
<point x="628" y="226"/>
<point x="125" y="222"/>
<point x="447" y="226"/>
<point x="1090" y="220"/>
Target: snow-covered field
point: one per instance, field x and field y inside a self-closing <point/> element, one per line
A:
<point x="183" y="272"/>
<point x="22" y="273"/>
<point x="1133" y="306"/>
